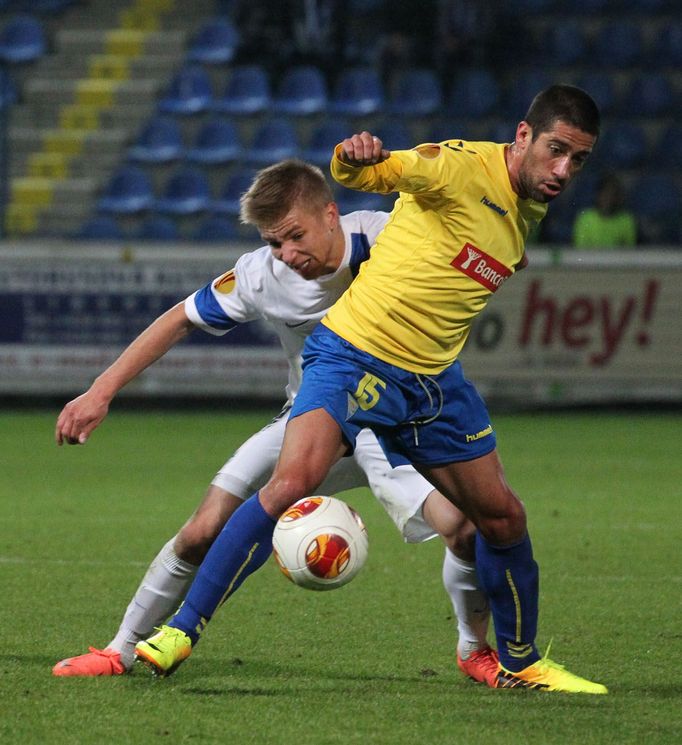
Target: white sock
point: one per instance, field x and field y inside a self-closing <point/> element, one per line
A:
<point x="162" y="589"/>
<point x="468" y="601"/>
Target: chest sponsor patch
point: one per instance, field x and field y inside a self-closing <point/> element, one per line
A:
<point x="480" y="267"/>
<point x="225" y="284"/>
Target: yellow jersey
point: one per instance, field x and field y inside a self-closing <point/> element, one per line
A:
<point x="456" y="233"/>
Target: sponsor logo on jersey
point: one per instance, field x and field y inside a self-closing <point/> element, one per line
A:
<point x="481" y="267"/>
<point x="225" y="284"/>
<point x="494" y="207"/>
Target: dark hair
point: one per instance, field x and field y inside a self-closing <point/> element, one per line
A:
<point x="276" y="189"/>
<point x="564" y="103"/>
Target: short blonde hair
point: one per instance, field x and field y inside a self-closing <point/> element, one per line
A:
<point x="276" y="189"/>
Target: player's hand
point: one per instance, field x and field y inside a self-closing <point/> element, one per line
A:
<point x="363" y="149"/>
<point x="79" y="418"/>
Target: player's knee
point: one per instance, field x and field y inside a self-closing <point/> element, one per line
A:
<point x="462" y="541"/>
<point x="506" y="525"/>
<point x="284" y="489"/>
<point x="195" y="539"/>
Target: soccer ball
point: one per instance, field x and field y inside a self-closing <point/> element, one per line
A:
<point x="320" y="543"/>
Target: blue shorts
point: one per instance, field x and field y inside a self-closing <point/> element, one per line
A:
<point x="430" y="420"/>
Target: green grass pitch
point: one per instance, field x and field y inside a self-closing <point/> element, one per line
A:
<point x="369" y="664"/>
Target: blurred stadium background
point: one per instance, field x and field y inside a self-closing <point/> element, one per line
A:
<point x="128" y="129"/>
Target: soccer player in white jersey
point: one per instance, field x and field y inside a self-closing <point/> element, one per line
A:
<point x="386" y="357"/>
<point x="311" y="259"/>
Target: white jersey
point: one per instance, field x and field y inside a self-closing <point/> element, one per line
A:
<point x="262" y="288"/>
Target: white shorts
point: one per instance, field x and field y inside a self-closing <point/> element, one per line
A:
<point x="401" y="490"/>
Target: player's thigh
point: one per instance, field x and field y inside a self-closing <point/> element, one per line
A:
<point x="401" y="490"/>
<point x="253" y="462"/>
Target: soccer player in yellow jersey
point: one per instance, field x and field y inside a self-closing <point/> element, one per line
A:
<point x="385" y="357"/>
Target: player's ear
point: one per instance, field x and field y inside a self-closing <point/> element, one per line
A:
<point x="332" y="213"/>
<point x="524" y="136"/>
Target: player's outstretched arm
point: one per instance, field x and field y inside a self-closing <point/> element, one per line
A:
<point x="81" y="416"/>
<point x="363" y="149"/>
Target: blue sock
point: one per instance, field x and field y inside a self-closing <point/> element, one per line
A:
<point x="243" y="546"/>
<point x="509" y="577"/>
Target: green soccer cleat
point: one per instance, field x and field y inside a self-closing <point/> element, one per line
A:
<point x="164" y="652"/>
<point x="546" y="675"/>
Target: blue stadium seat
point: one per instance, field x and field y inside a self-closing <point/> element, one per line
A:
<point x="158" y="228"/>
<point x="187" y="192"/>
<point x="621" y="146"/>
<point x="216" y="142"/>
<point x="100" y="228"/>
<point x="657" y="202"/>
<point x="395" y="134"/>
<point x="189" y="92"/>
<point x="650" y="94"/>
<point x="247" y="92"/>
<point x="324" y="139"/>
<point x="216" y="229"/>
<point x="358" y="92"/>
<point x="415" y="93"/>
<point x="8" y="91"/>
<point x="601" y="86"/>
<point x="235" y="185"/>
<point x="215" y="43"/>
<point x="22" y="39"/>
<point x="160" y="141"/>
<point x="618" y="44"/>
<point x="129" y="191"/>
<point x="667" y="153"/>
<point x="274" y="140"/>
<point x="474" y="93"/>
<point x="301" y="92"/>
<point x="44" y="6"/>
<point x="668" y="49"/>
<point x="350" y="200"/>
<point x="523" y="90"/>
<point x="449" y="129"/>
<point x="566" y="43"/>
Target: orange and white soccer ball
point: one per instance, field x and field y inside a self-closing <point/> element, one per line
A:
<point x="320" y="543"/>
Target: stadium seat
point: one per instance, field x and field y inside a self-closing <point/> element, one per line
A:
<point x="160" y="141"/>
<point x="621" y="146"/>
<point x="216" y="229"/>
<point x="216" y="142"/>
<point x="618" y="44"/>
<point x="657" y="202"/>
<point x="358" y="92"/>
<point x="415" y="93"/>
<point x="129" y="191"/>
<point x="566" y="44"/>
<point x="187" y="192"/>
<point x="22" y="40"/>
<point x="215" y="43"/>
<point x="8" y="91"/>
<point x="44" y="6"/>
<point x="650" y="94"/>
<point x="233" y="188"/>
<point x="324" y="139"/>
<point x="158" y="228"/>
<point x="601" y="86"/>
<point x="667" y="152"/>
<point x="350" y="200"/>
<point x="448" y="129"/>
<point x="100" y="228"/>
<point x="302" y="91"/>
<point x="274" y="140"/>
<point x="522" y="91"/>
<point x="668" y="49"/>
<point x="247" y="92"/>
<point x="475" y="93"/>
<point x="394" y="134"/>
<point x="189" y="92"/>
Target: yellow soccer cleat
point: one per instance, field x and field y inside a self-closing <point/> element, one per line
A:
<point x="546" y="675"/>
<point x="164" y="652"/>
